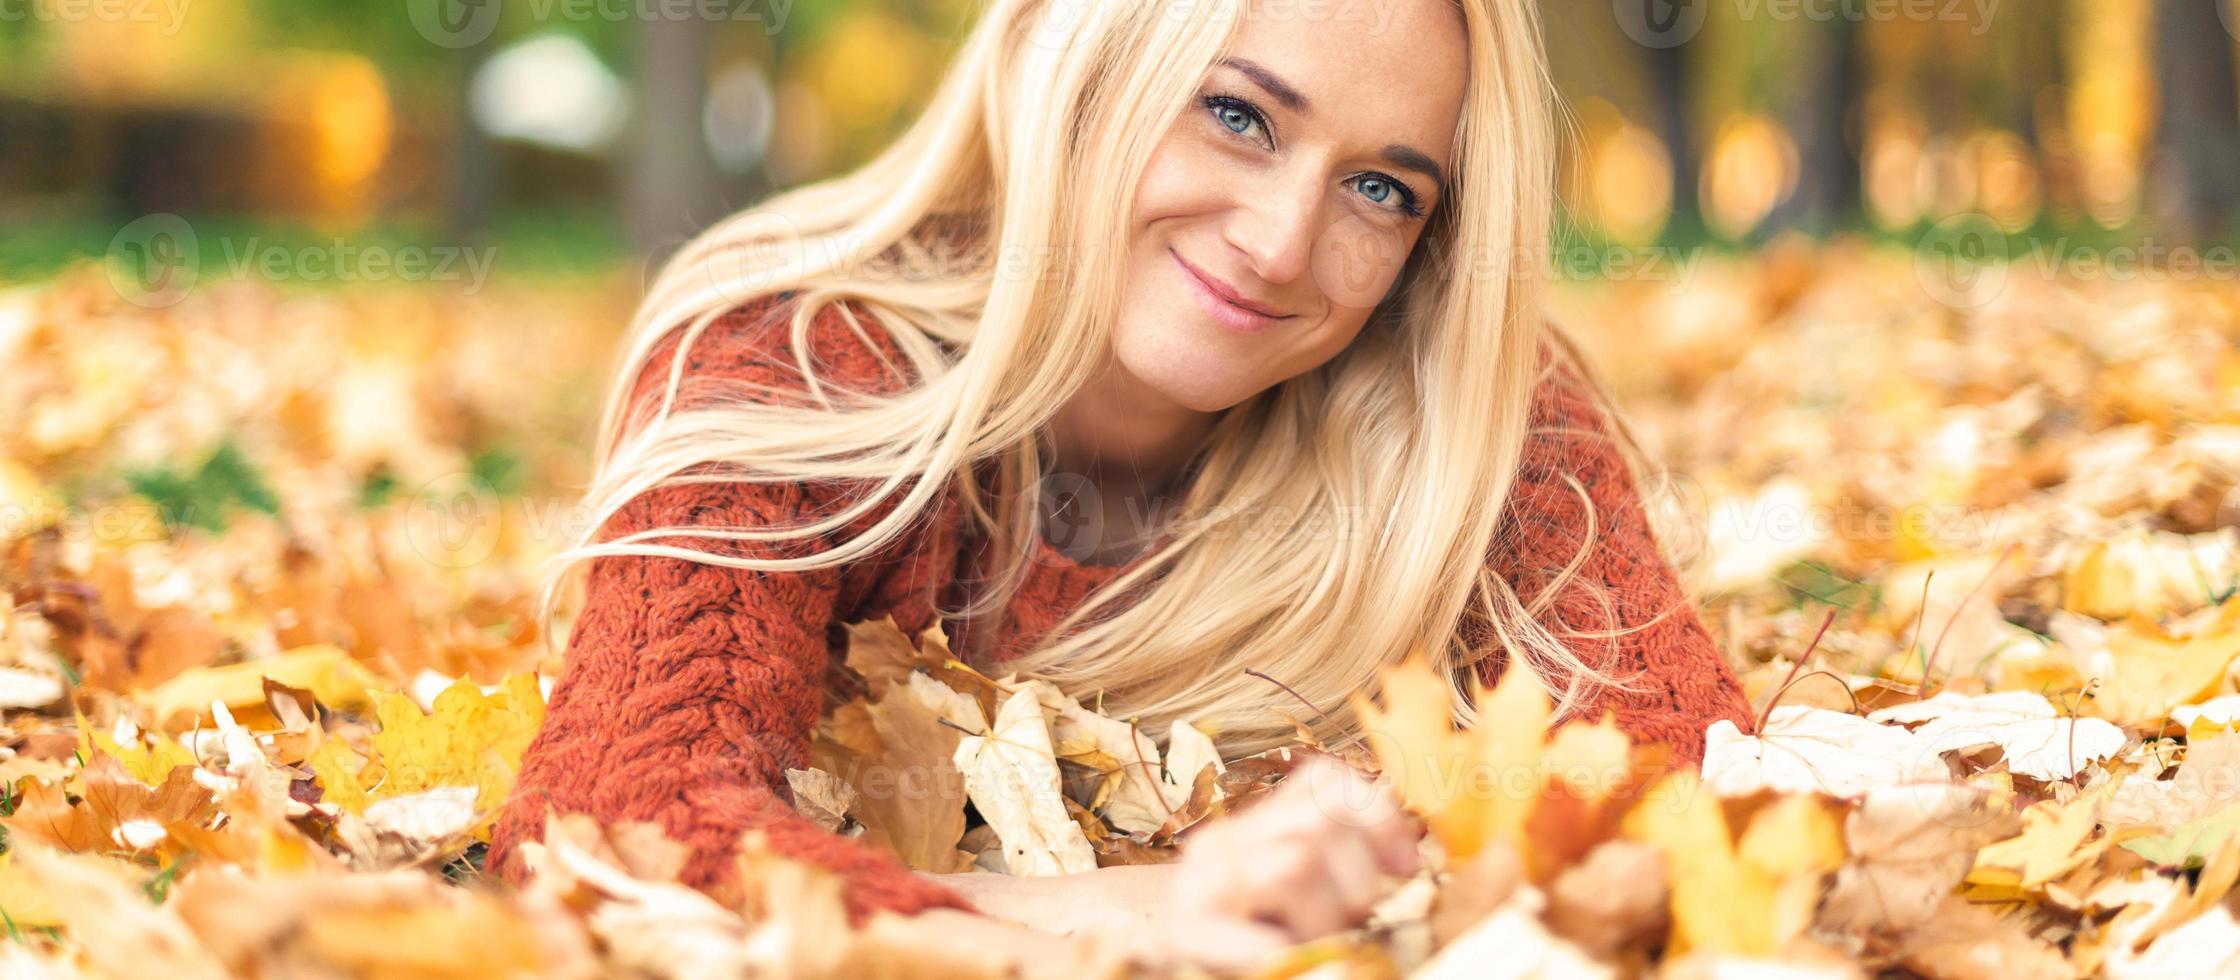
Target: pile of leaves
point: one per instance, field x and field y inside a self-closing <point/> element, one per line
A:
<point x="270" y="662"/>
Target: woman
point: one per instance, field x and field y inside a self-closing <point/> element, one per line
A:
<point x="1238" y="301"/>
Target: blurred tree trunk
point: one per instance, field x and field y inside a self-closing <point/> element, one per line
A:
<point x="1820" y="116"/>
<point x="2198" y="151"/>
<point x="1668" y="78"/>
<point x="671" y="190"/>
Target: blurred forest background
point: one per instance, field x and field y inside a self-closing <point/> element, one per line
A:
<point x="583" y="135"/>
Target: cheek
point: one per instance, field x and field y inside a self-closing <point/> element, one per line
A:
<point x="1357" y="260"/>
<point x="1180" y="179"/>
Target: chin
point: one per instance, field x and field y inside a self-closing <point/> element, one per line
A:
<point x="1187" y="368"/>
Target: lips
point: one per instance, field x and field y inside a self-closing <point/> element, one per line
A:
<point x="1225" y="304"/>
<point x="1226" y="292"/>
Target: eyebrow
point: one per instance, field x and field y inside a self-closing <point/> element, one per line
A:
<point x="1397" y="154"/>
<point x="1410" y="158"/>
<point x="1274" y="83"/>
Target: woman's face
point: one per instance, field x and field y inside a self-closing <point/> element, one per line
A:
<point x="1281" y="203"/>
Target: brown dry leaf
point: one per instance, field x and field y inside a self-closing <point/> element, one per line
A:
<point x="1910" y="847"/>
<point x="1961" y="940"/>
<point x="164" y="643"/>
<point x="1615" y="898"/>
<point x="909" y="795"/>
<point x="118" y="812"/>
<point x="821" y="796"/>
<point x="884" y="657"/>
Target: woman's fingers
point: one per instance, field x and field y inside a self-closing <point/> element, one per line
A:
<point x="1352" y="802"/>
<point x="1392" y="844"/>
<point x="1311" y="860"/>
<point x="1357" y="882"/>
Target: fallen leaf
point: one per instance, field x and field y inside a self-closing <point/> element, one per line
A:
<point x="1814" y="750"/>
<point x="2037" y="742"/>
<point x="1012" y="776"/>
<point x="2146" y="672"/>
<point x="821" y="796"/>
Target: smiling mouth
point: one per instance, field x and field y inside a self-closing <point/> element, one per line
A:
<point x="1224" y="304"/>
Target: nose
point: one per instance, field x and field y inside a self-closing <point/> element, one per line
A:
<point x="1277" y="226"/>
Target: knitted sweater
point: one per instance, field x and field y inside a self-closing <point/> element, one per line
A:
<point x="690" y="689"/>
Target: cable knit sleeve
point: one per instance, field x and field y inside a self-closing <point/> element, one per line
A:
<point x="690" y="688"/>
<point x="1571" y="457"/>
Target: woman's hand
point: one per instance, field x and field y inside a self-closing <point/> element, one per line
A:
<point x="1310" y="859"/>
<point x="1117" y="898"/>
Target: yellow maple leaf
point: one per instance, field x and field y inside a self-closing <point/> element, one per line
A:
<point x="339" y="770"/>
<point x="323" y="669"/>
<point x="1412" y="734"/>
<point x="1470" y="787"/>
<point x="2056" y="839"/>
<point x="2152" y="671"/>
<point x="471" y="739"/>
<point x="1746" y="899"/>
<point x="1506" y="770"/>
<point x="149" y="759"/>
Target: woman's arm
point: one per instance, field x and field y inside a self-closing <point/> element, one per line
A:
<point x="691" y="688"/>
<point x="1572" y="458"/>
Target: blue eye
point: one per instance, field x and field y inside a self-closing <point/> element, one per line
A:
<point x="1381" y="190"/>
<point x="1236" y="115"/>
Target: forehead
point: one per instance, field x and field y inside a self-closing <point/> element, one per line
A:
<point x="1372" y="70"/>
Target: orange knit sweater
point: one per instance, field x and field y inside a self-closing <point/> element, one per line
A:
<point x="690" y="689"/>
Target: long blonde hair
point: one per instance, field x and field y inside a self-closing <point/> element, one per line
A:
<point x="1397" y="455"/>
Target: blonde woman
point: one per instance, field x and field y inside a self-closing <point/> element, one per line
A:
<point x="1176" y="339"/>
